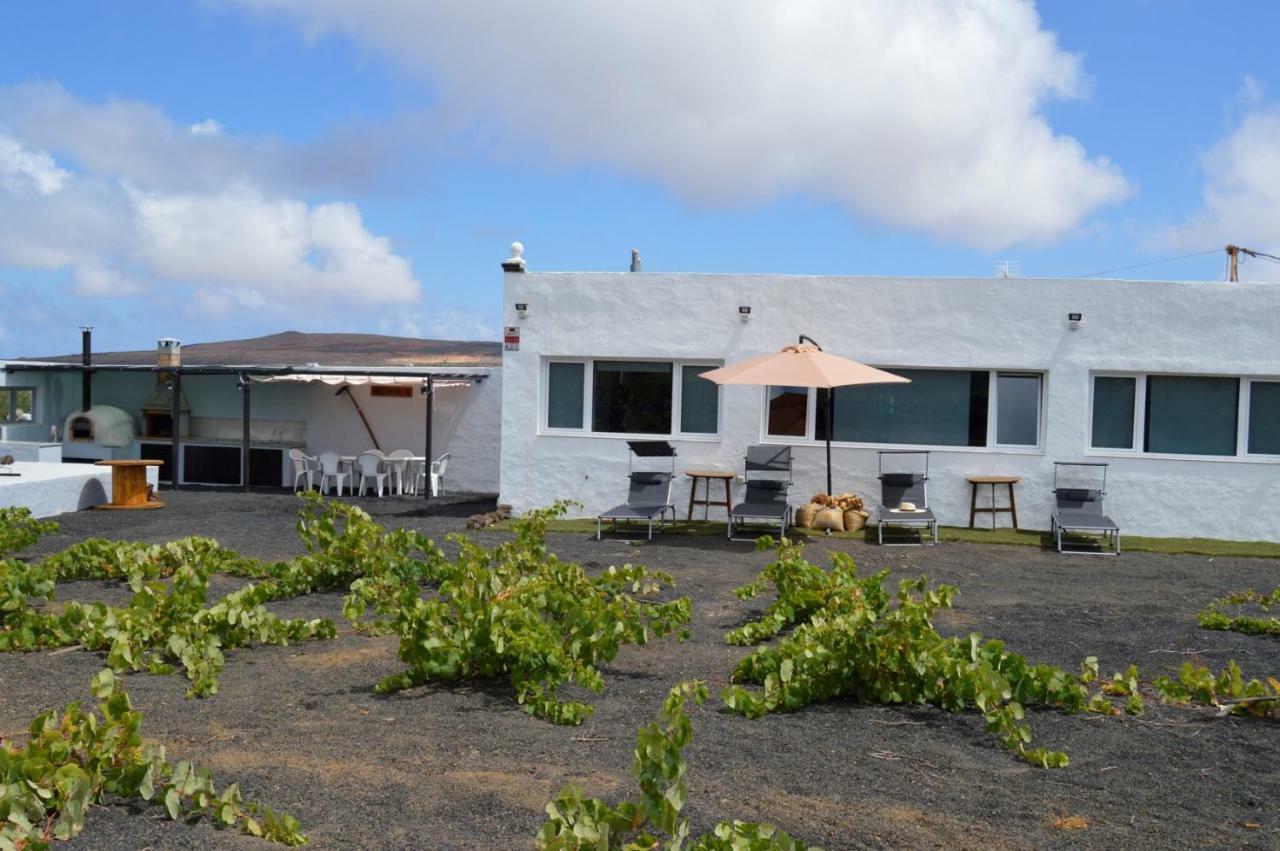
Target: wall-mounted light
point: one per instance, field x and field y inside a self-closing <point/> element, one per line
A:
<point x="522" y="309"/>
<point x="1075" y="320"/>
<point x="744" y="312"/>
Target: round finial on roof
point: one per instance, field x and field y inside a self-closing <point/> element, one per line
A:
<point x="514" y="263"/>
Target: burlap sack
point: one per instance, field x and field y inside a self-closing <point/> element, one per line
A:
<point x="829" y="518"/>
<point x="805" y="514"/>
<point x="855" y="520"/>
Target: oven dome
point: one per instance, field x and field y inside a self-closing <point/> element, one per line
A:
<point x="103" y="425"/>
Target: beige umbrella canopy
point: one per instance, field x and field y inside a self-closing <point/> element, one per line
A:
<point x="804" y="364"/>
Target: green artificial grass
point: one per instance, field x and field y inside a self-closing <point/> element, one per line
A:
<point x="1004" y="536"/>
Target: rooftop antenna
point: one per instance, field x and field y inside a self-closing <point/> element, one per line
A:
<point x="1009" y="269"/>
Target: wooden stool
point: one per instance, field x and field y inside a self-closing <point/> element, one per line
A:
<point x="706" y="476"/>
<point x="993" y="510"/>
<point x="129" y="487"/>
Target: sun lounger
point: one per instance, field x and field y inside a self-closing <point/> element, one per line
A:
<point x="768" y="475"/>
<point x="1078" y="511"/>
<point x="897" y="488"/>
<point x="648" y="493"/>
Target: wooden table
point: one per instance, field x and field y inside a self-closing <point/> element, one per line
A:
<point x="706" y="502"/>
<point x="993" y="509"/>
<point x="129" y="488"/>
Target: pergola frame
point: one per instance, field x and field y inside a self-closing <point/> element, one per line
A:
<point x="246" y="374"/>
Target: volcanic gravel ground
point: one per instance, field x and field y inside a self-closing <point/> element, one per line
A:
<point x="461" y="766"/>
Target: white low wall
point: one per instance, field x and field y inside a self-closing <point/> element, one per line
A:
<point x="51" y="489"/>
<point x="23" y="450"/>
<point x="1015" y="324"/>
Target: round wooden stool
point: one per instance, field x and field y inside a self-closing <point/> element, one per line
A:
<point x="993" y="509"/>
<point x="129" y="487"/>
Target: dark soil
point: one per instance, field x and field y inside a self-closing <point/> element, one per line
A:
<point x="462" y="767"/>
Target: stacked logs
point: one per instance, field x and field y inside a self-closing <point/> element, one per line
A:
<point x="479" y="521"/>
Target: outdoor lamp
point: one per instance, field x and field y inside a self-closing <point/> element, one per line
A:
<point x="1075" y="320"/>
<point x="744" y="312"/>
<point x="522" y="309"/>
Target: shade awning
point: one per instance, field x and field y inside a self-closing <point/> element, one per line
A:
<point x="801" y="365"/>
<point x="339" y="380"/>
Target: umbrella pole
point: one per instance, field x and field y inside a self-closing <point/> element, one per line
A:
<point x="831" y="408"/>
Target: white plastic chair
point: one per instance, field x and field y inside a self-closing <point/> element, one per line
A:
<point x="437" y="474"/>
<point x="331" y="471"/>
<point x="370" y="465"/>
<point x="303" y="465"/>
<point x="398" y="464"/>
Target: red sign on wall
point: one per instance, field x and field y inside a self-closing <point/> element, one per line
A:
<point x="511" y="338"/>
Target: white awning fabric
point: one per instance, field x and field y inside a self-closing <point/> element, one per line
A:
<point x="358" y="380"/>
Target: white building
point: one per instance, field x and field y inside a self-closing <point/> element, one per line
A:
<point x="1176" y="385"/>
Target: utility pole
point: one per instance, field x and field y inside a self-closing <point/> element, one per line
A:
<point x="1233" y="259"/>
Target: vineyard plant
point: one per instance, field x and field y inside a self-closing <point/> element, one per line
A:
<point x="1225" y="613"/>
<point x="72" y="759"/>
<point x="855" y="640"/>
<point x="514" y="610"/>
<point x="578" y="823"/>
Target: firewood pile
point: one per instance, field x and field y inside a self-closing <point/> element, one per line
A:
<point x="479" y="521"/>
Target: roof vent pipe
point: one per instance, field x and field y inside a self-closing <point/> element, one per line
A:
<point x="86" y="360"/>
<point x="636" y="262"/>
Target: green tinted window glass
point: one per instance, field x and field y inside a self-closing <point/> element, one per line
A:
<point x="1264" y="417"/>
<point x="631" y="397"/>
<point x="1113" y="399"/>
<point x="699" y="401"/>
<point x="1192" y="415"/>
<point x="564" y="395"/>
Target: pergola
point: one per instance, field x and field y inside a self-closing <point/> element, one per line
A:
<point x="427" y="377"/>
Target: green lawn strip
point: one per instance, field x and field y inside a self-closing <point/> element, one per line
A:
<point x="1014" y="537"/>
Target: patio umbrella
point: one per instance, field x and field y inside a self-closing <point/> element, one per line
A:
<point x="804" y="364"/>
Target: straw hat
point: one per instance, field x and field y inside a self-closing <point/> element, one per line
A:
<point x="907" y="508"/>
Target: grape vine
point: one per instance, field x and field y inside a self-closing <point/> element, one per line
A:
<point x="513" y="610"/>
<point x="1223" y="613"/>
<point x="165" y="623"/>
<point x="74" y="758"/>
<point x="577" y="823"/>
<point x="19" y="530"/>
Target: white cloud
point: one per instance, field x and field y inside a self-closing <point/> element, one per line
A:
<point x="1241" y="194"/>
<point x="208" y="127"/>
<point x="20" y="167"/>
<point x="924" y="115"/>
<point x="141" y="203"/>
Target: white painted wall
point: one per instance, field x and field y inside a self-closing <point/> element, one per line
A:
<point x="466" y="425"/>
<point x="1168" y="327"/>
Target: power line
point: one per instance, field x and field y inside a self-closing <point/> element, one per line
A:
<point x="1153" y="263"/>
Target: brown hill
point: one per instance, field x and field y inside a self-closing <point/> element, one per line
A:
<point x="294" y="348"/>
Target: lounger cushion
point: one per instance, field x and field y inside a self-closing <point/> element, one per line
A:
<point x="766" y="510"/>
<point x="1072" y="518"/>
<point x="907" y="518"/>
<point x="642" y="512"/>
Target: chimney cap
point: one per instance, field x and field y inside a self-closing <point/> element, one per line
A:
<point x="168" y="342"/>
<point x="514" y="263"/>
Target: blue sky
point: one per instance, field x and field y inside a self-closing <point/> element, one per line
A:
<point x="212" y="170"/>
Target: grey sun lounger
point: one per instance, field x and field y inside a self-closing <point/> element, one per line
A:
<point x="648" y="493"/>
<point x="768" y="475"/>
<point x="897" y="488"/>
<point x="1079" y="511"/>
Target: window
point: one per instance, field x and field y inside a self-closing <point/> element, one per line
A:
<point x="631" y="397"/>
<point x="1113" y="405"/>
<point x="699" y="401"/>
<point x="564" y="395"/>
<point x="1192" y="415"/>
<point x="940" y="407"/>
<point x="788" y="411"/>
<point x="1264" y="418"/>
<point x="1017" y="409"/>
<point x="17" y="404"/>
